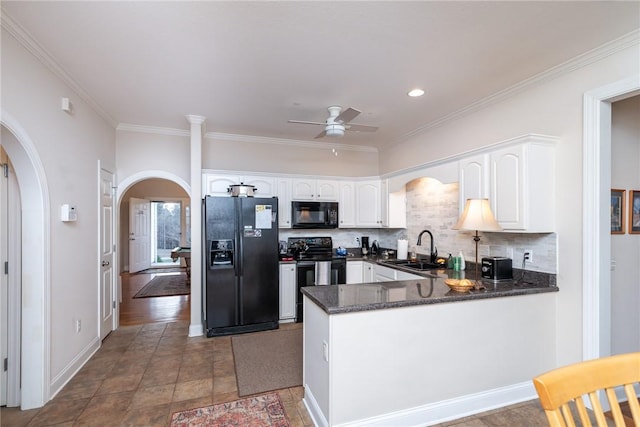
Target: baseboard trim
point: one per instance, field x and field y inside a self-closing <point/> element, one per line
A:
<point x="451" y="409"/>
<point x="313" y="408"/>
<point x="196" y="330"/>
<point x="73" y="367"/>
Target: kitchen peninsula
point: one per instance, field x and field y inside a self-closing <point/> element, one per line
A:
<point x="413" y="352"/>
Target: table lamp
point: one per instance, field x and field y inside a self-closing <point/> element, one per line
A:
<point x="477" y="216"/>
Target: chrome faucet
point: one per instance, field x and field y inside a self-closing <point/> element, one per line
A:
<point x="433" y="253"/>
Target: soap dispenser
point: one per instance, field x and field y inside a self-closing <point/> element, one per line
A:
<point x="462" y="263"/>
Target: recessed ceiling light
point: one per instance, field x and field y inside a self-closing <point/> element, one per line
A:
<point x="416" y="92"/>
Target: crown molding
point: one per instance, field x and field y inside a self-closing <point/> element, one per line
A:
<point x="28" y="42"/>
<point x="627" y="41"/>
<point x="157" y="130"/>
<point x="232" y="137"/>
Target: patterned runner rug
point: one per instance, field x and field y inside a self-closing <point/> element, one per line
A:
<point x="265" y="410"/>
<point x="164" y="285"/>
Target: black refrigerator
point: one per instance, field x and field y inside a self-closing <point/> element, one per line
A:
<point x="241" y="290"/>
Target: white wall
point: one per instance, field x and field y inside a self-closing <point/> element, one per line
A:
<point x="625" y="248"/>
<point x="69" y="147"/>
<point x="552" y="107"/>
<point x="291" y="157"/>
<point x="137" y="152"/>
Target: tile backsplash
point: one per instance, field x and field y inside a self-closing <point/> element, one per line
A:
<point x="433" y="206"/>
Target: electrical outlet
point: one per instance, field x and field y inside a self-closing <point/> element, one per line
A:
<point x="78" y="325"/>
<point x="325" y="351"/>
<point x="528" y="256"/>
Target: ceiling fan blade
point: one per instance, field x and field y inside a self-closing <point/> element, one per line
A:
<point x="306" y="123"/>
<point x="347" y="115"/>
<point x="361" y="128"/>
<point x="321" y="135"/>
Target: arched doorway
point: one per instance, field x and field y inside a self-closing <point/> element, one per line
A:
<point x="35" y="237"/>
<point x="150" y="188"/>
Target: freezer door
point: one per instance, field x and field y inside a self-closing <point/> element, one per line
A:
<point x="259" y="290"/>
<point x="221" y="304"/>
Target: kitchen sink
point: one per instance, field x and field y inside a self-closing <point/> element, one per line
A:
<point x="421" y="264"/>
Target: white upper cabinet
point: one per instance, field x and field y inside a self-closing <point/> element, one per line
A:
<point x="347" y="207"/>
<point x="519" y="181"/>
<point x="368" y="204"/>
<point x="393" y="206"/>
<point x="265" y="185"/>
<point x="315" y="189"/>
<point x="284" y="202"/>
<point x="217" y="185"/>
<point x="522" y="185"/>
<point x="474" y="178"/>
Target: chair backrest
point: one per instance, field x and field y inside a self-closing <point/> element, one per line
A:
<point x="591" y="378"/>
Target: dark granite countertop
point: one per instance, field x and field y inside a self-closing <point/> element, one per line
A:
<point x="335" y="299"/>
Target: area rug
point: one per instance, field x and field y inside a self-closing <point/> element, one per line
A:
<point x="259" y="411"/>
<point x="165" y="285"/>
<point x="268" y="360"/>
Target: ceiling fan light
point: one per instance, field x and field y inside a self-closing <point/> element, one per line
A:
<point x="334" y="130"/>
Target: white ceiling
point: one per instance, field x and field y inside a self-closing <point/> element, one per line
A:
<point x="248" y="67"/>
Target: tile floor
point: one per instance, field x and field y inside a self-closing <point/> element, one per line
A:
<point x="142" y="374"/>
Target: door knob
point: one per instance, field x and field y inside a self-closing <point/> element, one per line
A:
<point x="105" y="263"/>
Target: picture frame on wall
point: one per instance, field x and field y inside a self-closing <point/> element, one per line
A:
<point x="617" y="211"/>
<point x="634" y="212"/>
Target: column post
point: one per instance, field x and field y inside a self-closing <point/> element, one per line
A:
<point x="196" y="327"/>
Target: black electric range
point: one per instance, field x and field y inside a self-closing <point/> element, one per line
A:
<point x="316" y="265"/>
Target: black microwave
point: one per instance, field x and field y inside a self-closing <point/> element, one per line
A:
<point x="314" y="214"/>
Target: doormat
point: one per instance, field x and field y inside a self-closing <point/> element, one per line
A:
<point x="259" y="411"/>
<point x="165" y="285"/>
<point x="269" y="360"/>
<point x="154" y="270"/>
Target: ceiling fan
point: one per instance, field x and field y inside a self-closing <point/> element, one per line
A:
<point x="339" y="121"/>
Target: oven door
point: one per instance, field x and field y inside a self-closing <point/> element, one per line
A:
<point x="317" y="273"/>
<point x="338" y="272"/>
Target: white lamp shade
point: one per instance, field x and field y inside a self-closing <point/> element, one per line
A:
<point x="477" y="215"/>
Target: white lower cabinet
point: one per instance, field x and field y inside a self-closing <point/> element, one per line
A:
<point x="368" y="272"/>
<point x="355" y="271"/>
<point x="287" y="292"/>
<point x="384" y="274"/>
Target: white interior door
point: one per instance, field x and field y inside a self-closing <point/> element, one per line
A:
<point x="107" y="246"/>
<point x="10" y="284"/>
<point x="139" y="234"/>
<point x="4" y="289"/>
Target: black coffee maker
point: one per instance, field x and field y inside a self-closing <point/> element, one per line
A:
<point x="365" y="244"/>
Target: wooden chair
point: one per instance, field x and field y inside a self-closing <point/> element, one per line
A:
<point x="561" y="386"/>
